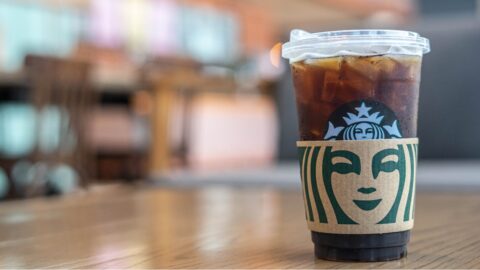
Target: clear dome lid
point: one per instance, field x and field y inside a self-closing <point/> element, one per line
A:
<point x="303" y="45"/>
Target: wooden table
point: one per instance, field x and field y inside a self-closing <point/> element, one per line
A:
<point x="212" y="227"/>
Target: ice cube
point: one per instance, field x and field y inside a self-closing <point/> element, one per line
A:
<point x="359" y="68"/>
<point x="405" y="68"/>
<point x="314" y="119"/>
<point x="330" y="84"/>
<point x="298" y="67"/>
<point x="354" y="90"/>
<point x="302" y="81"/>
<point x="384" y="64"/>
<point x="331" y="63"/>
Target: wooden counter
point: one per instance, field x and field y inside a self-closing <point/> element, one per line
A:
<point x="214" y="227"/>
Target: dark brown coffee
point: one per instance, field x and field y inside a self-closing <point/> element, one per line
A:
<point x="322" y="86"/>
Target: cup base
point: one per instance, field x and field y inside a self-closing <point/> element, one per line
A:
<point x="361" y="248"/>
<point x="360" y="254"/>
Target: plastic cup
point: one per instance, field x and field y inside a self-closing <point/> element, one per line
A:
<point x="357" y="85"/>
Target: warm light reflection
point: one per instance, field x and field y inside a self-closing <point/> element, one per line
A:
<point x="12" y="259"/>
<point x="163" y="225"/>
<point x="216" y="220"/>
<point x="118" y="256"/>
<point x="275" y="54"/>
<point x="269" y="213"/>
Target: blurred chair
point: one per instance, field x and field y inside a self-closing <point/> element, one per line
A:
<point x="118" y="126"/>
<point x="62" y="98"/>
<point x="58" y="98"/>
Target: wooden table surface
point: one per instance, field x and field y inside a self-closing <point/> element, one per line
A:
<point x="214" y="227"/>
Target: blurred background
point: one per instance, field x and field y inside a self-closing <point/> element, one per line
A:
<point x="180" y="91"/>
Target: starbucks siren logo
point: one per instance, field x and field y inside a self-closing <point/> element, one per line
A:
<point x="356" y="180"/>
<point x="362" y="120"/>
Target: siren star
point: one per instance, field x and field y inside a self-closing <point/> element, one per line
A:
<point x="363" y="110"/>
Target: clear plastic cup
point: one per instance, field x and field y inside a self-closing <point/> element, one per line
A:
<point x="356" y="85"/>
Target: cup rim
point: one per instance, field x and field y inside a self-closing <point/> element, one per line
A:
<point x="302" y="42"/>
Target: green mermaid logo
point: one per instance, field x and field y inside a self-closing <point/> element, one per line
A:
<point x="362" y="182"/>
<point x="361" y="177"/>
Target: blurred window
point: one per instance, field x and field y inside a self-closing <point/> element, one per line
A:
<point x="35" y="28"/>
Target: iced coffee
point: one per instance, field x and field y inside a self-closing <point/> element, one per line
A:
<point x="357" y="101"/>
